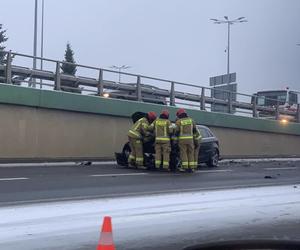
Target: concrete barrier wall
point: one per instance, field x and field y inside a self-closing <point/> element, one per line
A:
<point x="34" y="134"/>
<point x="47" y="125"/>
<point x="238" y="143"/>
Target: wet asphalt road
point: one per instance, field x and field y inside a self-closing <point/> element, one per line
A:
<point x="33" y="184"/>
<point x="42" y="187"/>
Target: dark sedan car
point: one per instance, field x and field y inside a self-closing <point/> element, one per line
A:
<point x="209" y="151"/>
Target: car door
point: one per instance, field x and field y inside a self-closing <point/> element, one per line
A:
<point x="206" y="144"/>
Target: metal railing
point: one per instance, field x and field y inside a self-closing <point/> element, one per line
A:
<point x="141" y="88"/>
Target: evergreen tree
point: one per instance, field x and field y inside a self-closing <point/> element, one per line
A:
<point x="66" y="85"/>
<point x="3" y="39"/>
<point x="69" y="57"/>
<point x="16" y="79"/>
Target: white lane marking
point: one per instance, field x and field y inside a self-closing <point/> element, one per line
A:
<point x="53" y="164"/>
<point x="13" y="179"/>
<point x="282" y="168"/>
<point x="112" y="175"/>
<point x="213" y="171"/>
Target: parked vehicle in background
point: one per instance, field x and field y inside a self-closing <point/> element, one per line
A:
<point x="286" y="100"/>
<point x="131" y="95"/>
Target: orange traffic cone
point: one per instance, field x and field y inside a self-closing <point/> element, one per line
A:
<point x="106" y="238"/>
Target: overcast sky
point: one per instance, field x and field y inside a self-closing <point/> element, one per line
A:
<point x="172" y="39"/>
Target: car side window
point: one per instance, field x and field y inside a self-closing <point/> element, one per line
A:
<point x="204" y="133"/>
<point x="210" y="133"/>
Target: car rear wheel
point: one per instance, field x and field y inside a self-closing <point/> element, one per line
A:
<point x="214" y="158"/>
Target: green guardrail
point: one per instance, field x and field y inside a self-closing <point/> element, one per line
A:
<point x="49" y="99"/>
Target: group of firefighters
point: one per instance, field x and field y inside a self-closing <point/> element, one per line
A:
<point x="184" y="132"/>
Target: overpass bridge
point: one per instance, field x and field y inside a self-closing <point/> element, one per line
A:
<point x="46" y="123"/>
<point x="142" y="88"/>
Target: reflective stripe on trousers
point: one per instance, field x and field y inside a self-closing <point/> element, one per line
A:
<point x="165" y="163"/>
<point x="139" y="161"/>
<point x="158" y="162"/>
<point x="162" y="139"/>
<point x="185" y="137"/>
<point x="136" y="155"/>
<point x="162" y="154"/>
<point x="186" y="150"/>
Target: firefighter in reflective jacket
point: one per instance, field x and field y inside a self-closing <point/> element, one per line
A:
<point x="162" y="128"/>
<point x="197" y="140"/>
<point x="185" y="130"/>
<point x="136" y="135"/>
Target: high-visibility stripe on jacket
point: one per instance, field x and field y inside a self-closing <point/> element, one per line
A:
<point x="139" y="128"/>
<point x="185" y="128"/>
<point x="162" y="129"/>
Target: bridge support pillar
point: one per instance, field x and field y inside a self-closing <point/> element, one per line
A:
<point x="229" y="102"/>
<point x="202" y="101"/>
<point x="298" y="113"/>
<point x="172" y="94"/>
<point x="277" y="113"/>
<point x="8" y="68"/>
<point x="57" y="76"/>
<point x="138" y="89"/>
<point x="100" y="83"/>
<point x="254" y="108"/>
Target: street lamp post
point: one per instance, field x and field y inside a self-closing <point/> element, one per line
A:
<point x="120" y="68"/>
<point x="228" y="22"/>
<point x="42" y="42"/>
<point x="35" y="40"/>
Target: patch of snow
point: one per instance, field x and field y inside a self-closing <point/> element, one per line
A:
<point x="69" y="223"/>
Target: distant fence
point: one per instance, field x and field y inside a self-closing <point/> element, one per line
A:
<point x="102" y="82"/>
